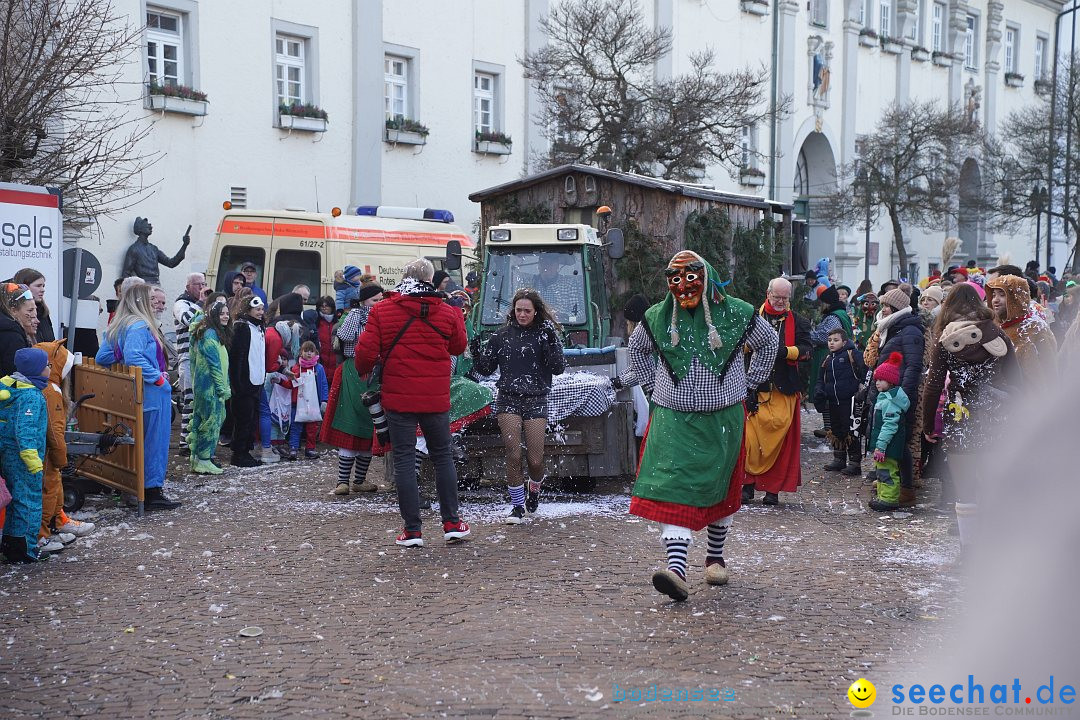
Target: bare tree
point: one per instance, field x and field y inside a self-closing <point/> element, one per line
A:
<point x="1023" y="155"/>
<point x="63" y="115"/>
<point x="909" y="169"/>
<point x="602" y="104"/>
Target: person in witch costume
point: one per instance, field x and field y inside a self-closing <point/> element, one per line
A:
<point x="691" y="469"/>
<point x="773" y="434"/>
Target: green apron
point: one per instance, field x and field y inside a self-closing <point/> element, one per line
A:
<point x="669" y="473"/>
<point x="350" y="414"/>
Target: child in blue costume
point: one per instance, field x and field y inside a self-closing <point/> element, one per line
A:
<point x="134" y="338"/>
<point x="23" y="420"/>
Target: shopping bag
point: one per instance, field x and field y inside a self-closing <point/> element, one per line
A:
<point x="281" y="408"/>
<point x="307" y="399"/>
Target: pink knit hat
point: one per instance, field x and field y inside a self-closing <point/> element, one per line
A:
<point x="889" y="371"/>
<point x="978" y="289"/>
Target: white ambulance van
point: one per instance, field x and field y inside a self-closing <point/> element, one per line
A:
<point x="292" y="248"/>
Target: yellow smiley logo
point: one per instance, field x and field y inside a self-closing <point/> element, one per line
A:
<point x="862" y="693"/>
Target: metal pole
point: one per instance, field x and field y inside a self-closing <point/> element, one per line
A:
<point x="1038" y="232"/>
<point x="866" y="251"/>
<point x="1052" y="146"/>
<point x="1068" y="129"/>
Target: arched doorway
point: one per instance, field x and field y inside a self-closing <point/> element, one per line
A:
<point x="969" y="221"/>
<point x="815" y="177"/>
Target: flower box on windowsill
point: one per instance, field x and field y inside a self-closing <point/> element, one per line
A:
<point x="751" y="177"/>
<point x="892" y="45"/>
<point x="755" y="7"/>
<point x="1043" y="86"/>
<point x="181" y="106"/>
<point x="1014" y="80"/>
<point x="297" y="122"/>
<point x="405" y="137"/>
<point x="490" y="147"/>
<point x="868" y="38"/>
<point x="942" y="59"/>
<point x="920" y="54"/>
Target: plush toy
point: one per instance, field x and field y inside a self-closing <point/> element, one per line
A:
<point x="960" y="334"/>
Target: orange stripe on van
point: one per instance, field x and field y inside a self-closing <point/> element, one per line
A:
<point x="245" y="227"/>
<point x="311" y="232"/>
<point x="394" y="236"/>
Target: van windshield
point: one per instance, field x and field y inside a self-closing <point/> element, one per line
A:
<point x="557" y="275"/>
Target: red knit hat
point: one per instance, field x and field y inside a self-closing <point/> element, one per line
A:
<point x="889" y="371"/>
<point x="962" y="270"/>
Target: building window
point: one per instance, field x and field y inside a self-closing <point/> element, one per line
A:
<point x="1011" y="35"/>
<point x="164" y="48"/>
<point x="289" y="70"/>
<point x="396" y="84"/>
<point x="484" y="102"/>
<point x="1041" y="44"/>
<point x="886" y="18"/>
<point x="938" y="28"/>
<point x="970" y="57"/>
<point x="748" y="146"/>
<point x="916" y="22"/>
<point x="819" y="13"/>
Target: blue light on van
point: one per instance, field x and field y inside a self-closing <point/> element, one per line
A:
<point x="369" y="210"/>
<point x="441" y="215"/>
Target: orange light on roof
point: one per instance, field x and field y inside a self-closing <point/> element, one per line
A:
<point x="226" y="205"/>
<point x="603" y="210"/>
<point x="336" y="212"/>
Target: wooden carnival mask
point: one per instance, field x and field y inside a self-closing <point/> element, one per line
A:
<point x="686" y="279"/>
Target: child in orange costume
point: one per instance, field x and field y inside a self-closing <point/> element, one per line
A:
<point x="53" y="517"/>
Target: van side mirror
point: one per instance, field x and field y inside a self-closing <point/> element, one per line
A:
<point x="615" y="243"/>
<point x="453" y="255"/>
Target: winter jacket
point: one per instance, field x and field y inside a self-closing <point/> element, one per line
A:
<point x="905" y="336"/>
<point x="981" y="365"/>
<point x="416" y="375"/>
<point x="526" y="358"/>
<point x="12" y="339"/>
<point x="60" y="361"/>
<point x="185" y="309"/>
<point x="842" y="372"/>
<point x="1035" y="344"/>
<point x="247" y="365"/>
<point x="890" y="423"/>
<point x="344" y="293"/>
<point x="137" y="347"/>
<point x="23" y="427"/>
<point x="785" y="375"/>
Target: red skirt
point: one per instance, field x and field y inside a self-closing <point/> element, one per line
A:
<point x="786" y="473"/>
<point x="694" y="518"/>
<point x="337" y="438"/>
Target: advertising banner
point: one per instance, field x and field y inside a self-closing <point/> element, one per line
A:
<point x="31" y="236"/>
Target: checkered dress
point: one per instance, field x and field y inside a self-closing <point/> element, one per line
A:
<point x="701" y="390"/>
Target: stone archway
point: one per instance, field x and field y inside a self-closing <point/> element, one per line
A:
<point x="970" y="222"/>
<point x="815" y="178"/>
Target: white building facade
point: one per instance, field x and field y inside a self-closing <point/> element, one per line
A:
<point x="453" y="69"/>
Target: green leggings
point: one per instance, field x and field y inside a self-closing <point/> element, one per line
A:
<point x="888" y="480"/>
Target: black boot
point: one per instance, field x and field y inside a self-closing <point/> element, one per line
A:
<point x="14" y="549"/>
<point x="245" y="459"/>
<point x="748" y="493"/>
<point x="156" y="499"/>
<point x="854" y="460"/>
<point x="771" y="499"/>
<point x="838" y="461"/>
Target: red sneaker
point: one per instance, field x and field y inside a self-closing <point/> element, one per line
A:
<point x="410" y="538"/>
<point x="455" y="531"/>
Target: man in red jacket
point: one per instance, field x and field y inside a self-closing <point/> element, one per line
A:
<point x="411" y="335"/>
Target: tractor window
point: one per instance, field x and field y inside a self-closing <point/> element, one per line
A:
<point x="232" y="257"/>
<point x="297" y="267"/>
<point x="555" y="274"/>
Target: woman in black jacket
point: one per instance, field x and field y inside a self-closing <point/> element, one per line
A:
<point x="247" y="371"/>
<point x="34" y="280"/>
<point x="527" y="351"/>
<point x="17" y="310"/>
<point x="901" y="330"/>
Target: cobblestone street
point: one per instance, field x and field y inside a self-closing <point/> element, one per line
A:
<point x="555" y="618"/>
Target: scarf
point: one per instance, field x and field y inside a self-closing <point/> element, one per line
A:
<point x="412" y="286"/>
<point x="681" y="336"/>
<point x="328" y="317"/>
<point x="884" y="323"/>
<point x="1015" y="321"/>
<point x="789" y="325"/>
<point x="37" y="381"/>
<point x="306" y="364"/>
<point x="290" y="339"/>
